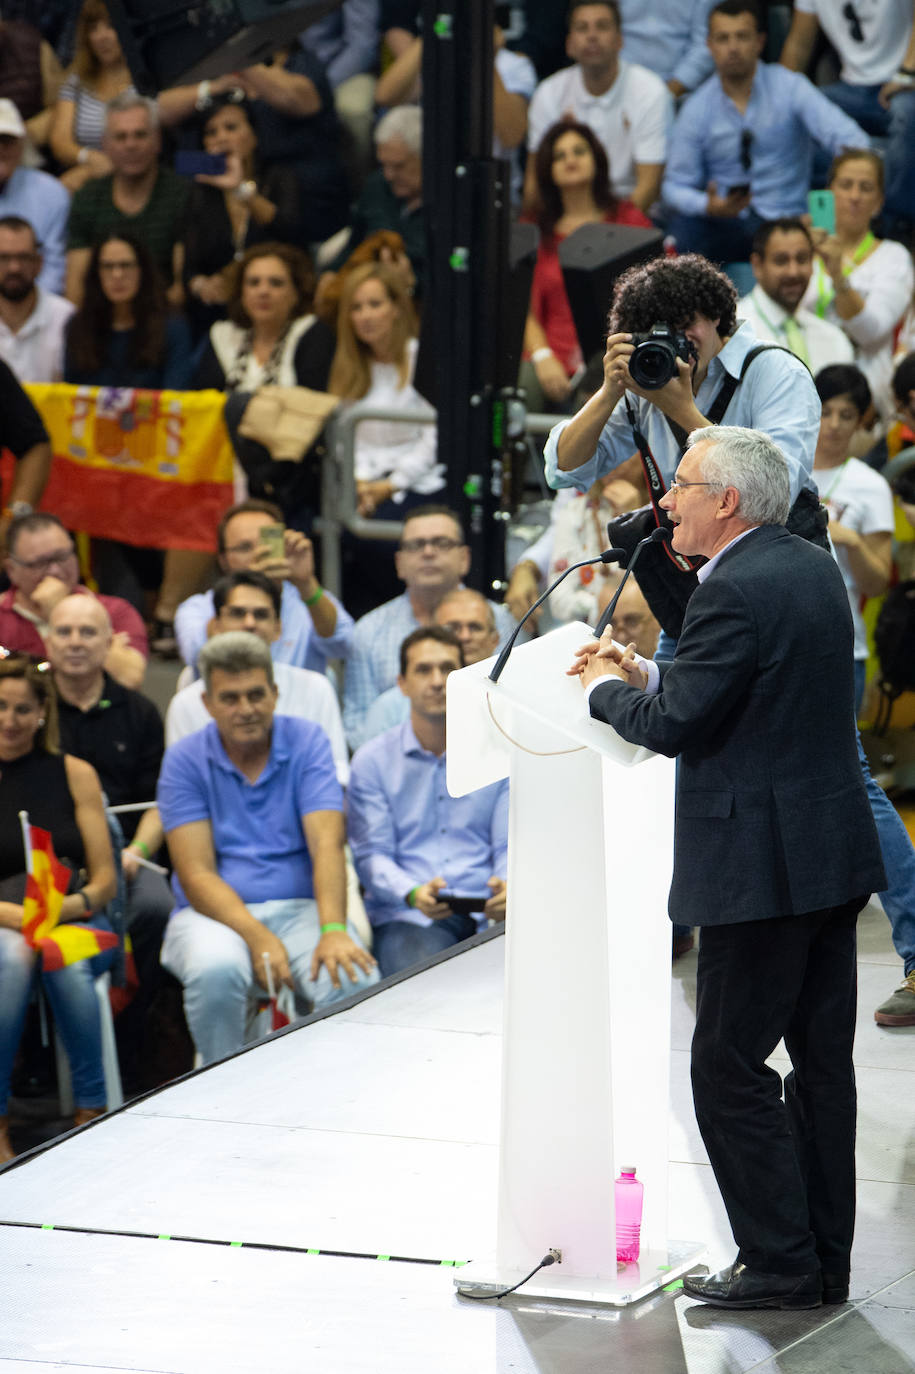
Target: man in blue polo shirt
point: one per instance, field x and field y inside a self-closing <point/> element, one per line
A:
<point x="253" y="814"/>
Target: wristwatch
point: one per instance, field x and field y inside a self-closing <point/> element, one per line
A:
<point x="246" y="191"/>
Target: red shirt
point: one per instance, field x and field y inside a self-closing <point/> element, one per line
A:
<point x="18" y="632"/>
<point x="549" y="302"/>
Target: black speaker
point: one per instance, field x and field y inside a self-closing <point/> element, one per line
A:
<point x="170" y="43"/>
<point x="592" y="260"/>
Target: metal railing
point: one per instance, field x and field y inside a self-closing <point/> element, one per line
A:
<point x="339" y="503"/>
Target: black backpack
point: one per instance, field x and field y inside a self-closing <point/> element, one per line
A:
<point x="894" y="638"/>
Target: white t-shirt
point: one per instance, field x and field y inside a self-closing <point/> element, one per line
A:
<point x="402" y="452"/>
<point x="300" y="692"/>
<point x="632" y="120"/>
<point x="885" y="25"/>
<point x="857" y="496"/>
<point x="36" y="352"/>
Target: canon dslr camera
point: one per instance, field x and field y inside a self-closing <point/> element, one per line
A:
<point x="654" y="362"/>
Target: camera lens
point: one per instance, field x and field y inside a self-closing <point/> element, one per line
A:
<point x="652" y="365"/>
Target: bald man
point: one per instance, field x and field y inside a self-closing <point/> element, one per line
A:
<point x="469" y="616"/>
<point x="119" y="731"/>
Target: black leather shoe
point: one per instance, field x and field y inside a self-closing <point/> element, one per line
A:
<point x="835" y="1288"/>
<point x="740" y="1287"/>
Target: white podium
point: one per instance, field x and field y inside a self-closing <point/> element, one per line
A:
<point x="587" y="998"/>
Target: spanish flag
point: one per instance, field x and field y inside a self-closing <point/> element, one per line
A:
<point x="45" y="888"/>
<point x="150" y="468"/>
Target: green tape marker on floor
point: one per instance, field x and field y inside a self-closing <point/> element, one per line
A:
<point x="673" y="1287"/>
<point x="312" y="1252"/>
<point x="235" y="1244"/>
<point x="47" y="1226"/>
<point x="383" y="1257"/>
<point x="163" y="1237"/>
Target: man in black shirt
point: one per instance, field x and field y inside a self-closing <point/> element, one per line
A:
<point x="120" y="733"/>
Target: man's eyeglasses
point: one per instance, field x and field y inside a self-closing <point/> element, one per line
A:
<point x="46" y="562"/>
<point x="850" y="15"/>
<point x="440" y="543"/>
<point x="676" y="487"/>
<point x="259" y="613"/>
<point x="746" y="149"/>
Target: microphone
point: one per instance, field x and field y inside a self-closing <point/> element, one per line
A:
<point x="661" y="535"/>
<point x="608" y="556"/>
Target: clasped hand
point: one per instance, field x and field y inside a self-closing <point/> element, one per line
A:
<point x="604" y="658"/>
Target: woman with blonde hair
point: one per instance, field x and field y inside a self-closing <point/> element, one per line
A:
<point x="395" y="460"/>
<point x="374" y="363"/>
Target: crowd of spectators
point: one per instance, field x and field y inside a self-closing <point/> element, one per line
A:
<point x="267" y="228"/>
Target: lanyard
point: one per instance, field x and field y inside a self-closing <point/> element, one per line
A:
<point x="825" y="495"/>
<point x="825" y="289"/>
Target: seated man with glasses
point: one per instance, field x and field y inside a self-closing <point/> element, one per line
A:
<point x="42" y="566"/>
<point x="314" y="627"/>
<point x="741" y="147"/>
<point x="432" y="561"/>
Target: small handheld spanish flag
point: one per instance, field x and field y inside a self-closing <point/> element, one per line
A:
<point x="45" y="888"/>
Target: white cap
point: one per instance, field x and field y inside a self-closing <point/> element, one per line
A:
<point x="11" y="120"/>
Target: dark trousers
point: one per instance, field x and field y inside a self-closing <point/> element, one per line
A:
<point x="785" y="1169"/>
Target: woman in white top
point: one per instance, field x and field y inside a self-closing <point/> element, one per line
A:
<point x="861" y="283"/>
<point x="374" y="363"/>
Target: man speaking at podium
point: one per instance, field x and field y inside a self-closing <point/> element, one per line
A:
<point x="775" y="853"/>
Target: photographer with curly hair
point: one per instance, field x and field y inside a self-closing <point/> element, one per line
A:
<point x="774" y="392"/>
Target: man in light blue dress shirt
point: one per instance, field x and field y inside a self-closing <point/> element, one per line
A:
<point x="742" y="145"/>
<point x="411" y="840"/>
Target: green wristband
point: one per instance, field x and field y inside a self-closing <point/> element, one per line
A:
<point x="333" y="925"/>
<point x="142" y="846"/>
<point x="315" y="597"/>
<point x="411" y="894"/>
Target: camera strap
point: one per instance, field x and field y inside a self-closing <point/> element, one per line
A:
<point x="725" y="393"/>
<point x="657" y="487"/>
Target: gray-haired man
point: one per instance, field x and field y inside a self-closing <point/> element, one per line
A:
<point x="253" y="815"/>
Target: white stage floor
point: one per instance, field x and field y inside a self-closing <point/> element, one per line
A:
<point x="307" y="1200"/>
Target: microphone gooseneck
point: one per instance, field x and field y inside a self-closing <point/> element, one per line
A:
<point x="608" y="556"/>
<point x="661" y="535"/>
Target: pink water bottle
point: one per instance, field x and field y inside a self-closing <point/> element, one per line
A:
<point x="628" y="1201"/>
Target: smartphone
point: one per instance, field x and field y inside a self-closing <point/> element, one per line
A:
<point x="822" y="206"/>
<point x="271" y="536"/>
<point x="461" y="904"/>
<point x="189" y="163"/>
<point x="742" y="189"/>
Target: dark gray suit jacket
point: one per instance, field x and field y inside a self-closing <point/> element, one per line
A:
<point x="772" y="814"/>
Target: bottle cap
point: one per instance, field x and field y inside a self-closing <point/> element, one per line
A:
<point x="627" y="1169"/>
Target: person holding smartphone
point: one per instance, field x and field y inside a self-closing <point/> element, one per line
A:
<point x="237" y="204"/>
<point x="432" y="866"/>
<point x="742" y="143"/>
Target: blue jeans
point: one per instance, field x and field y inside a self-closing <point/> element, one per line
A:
<point x="214" y="965"/>
<point x="719" y="240"/>
<point x="398" y="944"/>
<point x="899" y="861"/>
<point x="71" y="993"/>
<point x="897" y="126"/>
